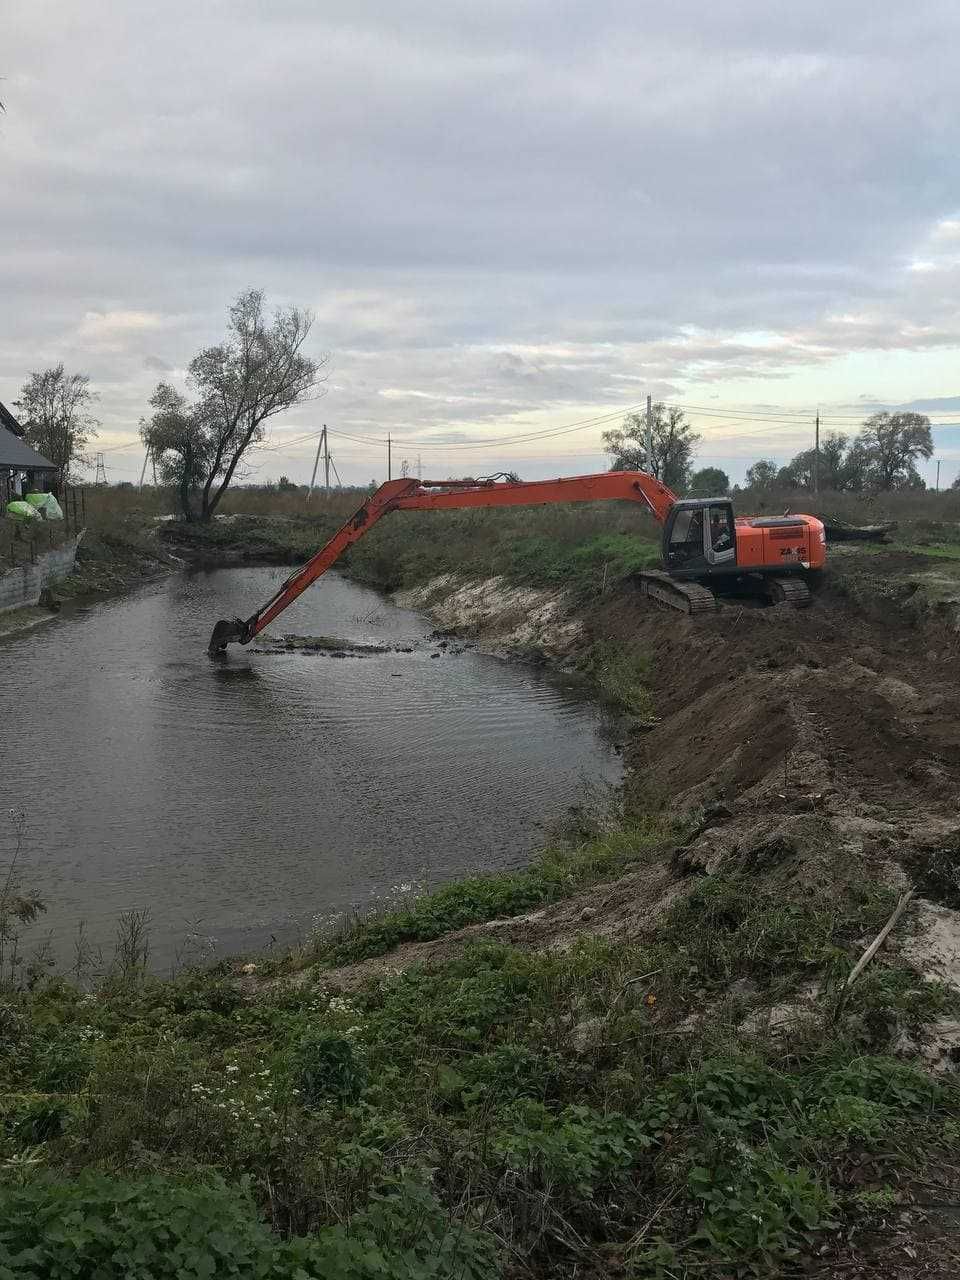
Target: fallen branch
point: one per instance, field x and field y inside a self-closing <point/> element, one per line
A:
<point x="878" y="941"/>
<point x="630" y="981"/>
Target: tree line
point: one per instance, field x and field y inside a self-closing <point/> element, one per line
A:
<point x="197" y="441"/>
<point x="260" y="369"/>
<point x="883" y="456"/>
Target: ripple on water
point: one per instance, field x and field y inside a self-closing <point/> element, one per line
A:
<point x="243" y="799"/>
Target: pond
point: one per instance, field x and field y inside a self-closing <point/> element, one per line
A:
<point x="244" y="803"/>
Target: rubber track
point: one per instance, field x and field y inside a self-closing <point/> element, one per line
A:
<point x="687" y="597"/>
<point x="796" y="593"/>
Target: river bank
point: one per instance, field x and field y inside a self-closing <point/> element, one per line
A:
<point x="639" y="1056"/>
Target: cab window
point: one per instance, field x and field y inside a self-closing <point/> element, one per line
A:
<point x="686" y="529"/>
<point x="721" y="528"/>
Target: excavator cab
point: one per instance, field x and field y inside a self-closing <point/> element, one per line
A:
<point x="699" y="537"/>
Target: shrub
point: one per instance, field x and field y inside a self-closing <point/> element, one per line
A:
<point x="157" y="1229"/>
<point x="756" y="1208"/>
<point x="326" y="1067"/>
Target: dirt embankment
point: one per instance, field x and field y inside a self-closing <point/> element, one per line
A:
<point x="502" y="616"/>
<point x="809" y="746"/>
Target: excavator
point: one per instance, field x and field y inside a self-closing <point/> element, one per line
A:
<point x="706" y="549"/>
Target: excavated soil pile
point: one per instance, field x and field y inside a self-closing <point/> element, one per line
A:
<point x="807" y="747"/>
<point x="779" y="714"/>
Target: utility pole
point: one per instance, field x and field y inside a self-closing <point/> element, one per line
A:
<point x="649" y="441"/>
<point x="816" y="456"/>
<point x="326" y="462"/>
<point x="419" y="469"/>
<point x="143" y="471"/>
<point x="389" y="459"/>
<point x="101" y="475"/>
<point x="938" y="475"/>
<point x="316" y="462"/>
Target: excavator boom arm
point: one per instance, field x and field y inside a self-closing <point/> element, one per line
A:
<point x="445" y="495"/>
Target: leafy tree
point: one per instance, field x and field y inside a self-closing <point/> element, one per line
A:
<point x="55" y="409"/>
<point x="258" y="371"/>
<point x="800" y="471"/>
<point x="762" y="475"/>
<point x="180" y="446"/>
<point x="674" y="442"/>
<point x="709" y="482"/>
<point x="856" y="472"/>
<point x="892" y="443"/>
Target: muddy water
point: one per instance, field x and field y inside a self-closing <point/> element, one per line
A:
<point x="240" y="803"/>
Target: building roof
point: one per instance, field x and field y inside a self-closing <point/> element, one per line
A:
<point x="16" y="453"/>
<point x="9" y="421"/>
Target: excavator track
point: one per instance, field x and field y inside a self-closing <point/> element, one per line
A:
<point x="792" y="591"/>
<point x="687" y="597"/>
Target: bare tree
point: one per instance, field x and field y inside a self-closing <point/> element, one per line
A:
<point x="54" y="409"/>
<point x="258" y="371"/>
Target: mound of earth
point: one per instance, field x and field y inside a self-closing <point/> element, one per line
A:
<point x="803" y="746"/>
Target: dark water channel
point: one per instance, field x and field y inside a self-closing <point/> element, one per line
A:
<point x="249" y="801"/>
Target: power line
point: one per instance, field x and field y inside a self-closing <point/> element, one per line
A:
<point x="768" y="417"/>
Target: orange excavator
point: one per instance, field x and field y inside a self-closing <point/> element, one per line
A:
<point x="706" y="548"/>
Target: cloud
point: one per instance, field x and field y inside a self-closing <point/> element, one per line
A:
<point x="501" y="211"/>
<point x="156" y="365"/>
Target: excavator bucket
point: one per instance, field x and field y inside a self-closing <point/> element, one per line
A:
<point x="227" y="631"/>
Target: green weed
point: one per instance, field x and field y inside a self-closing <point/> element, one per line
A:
<point x="555" y="874"/>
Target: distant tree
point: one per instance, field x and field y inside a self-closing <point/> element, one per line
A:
<point x="709" y="482"/>
<point x="891" y="444"/>
<point x="856" y="472"/>
<point x="180" y="446"/>
<point x="286" y="485"/>
<point x="54" y="407"/>
<point x="259" y="370"/>
<point x="762" y="475"/>
<point x="674" y="442"/>
<point x="956" y="483"/>
<point x="799" y="471"/>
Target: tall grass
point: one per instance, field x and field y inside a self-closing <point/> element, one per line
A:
<point x="586" y="548"/>
<point x="907" y="506"/>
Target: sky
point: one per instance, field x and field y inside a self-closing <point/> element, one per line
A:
<point x="507" y="217"/>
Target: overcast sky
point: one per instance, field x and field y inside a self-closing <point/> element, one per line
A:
<point x="507" y="215"/>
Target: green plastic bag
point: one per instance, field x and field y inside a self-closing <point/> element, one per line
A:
<point x="46" y="504"/>
<point x="20" y="510"/>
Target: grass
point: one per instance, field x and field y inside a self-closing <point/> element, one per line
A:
<point x="557" y="873"/>
<point x="604" y="1108"/>
<point x="587" y="549"/>
<point x="941" y="550"/>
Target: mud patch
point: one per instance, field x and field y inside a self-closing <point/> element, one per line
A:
<point x="329" y="645"/>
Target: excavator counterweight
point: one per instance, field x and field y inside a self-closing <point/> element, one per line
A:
<point x="706" y="549"/>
